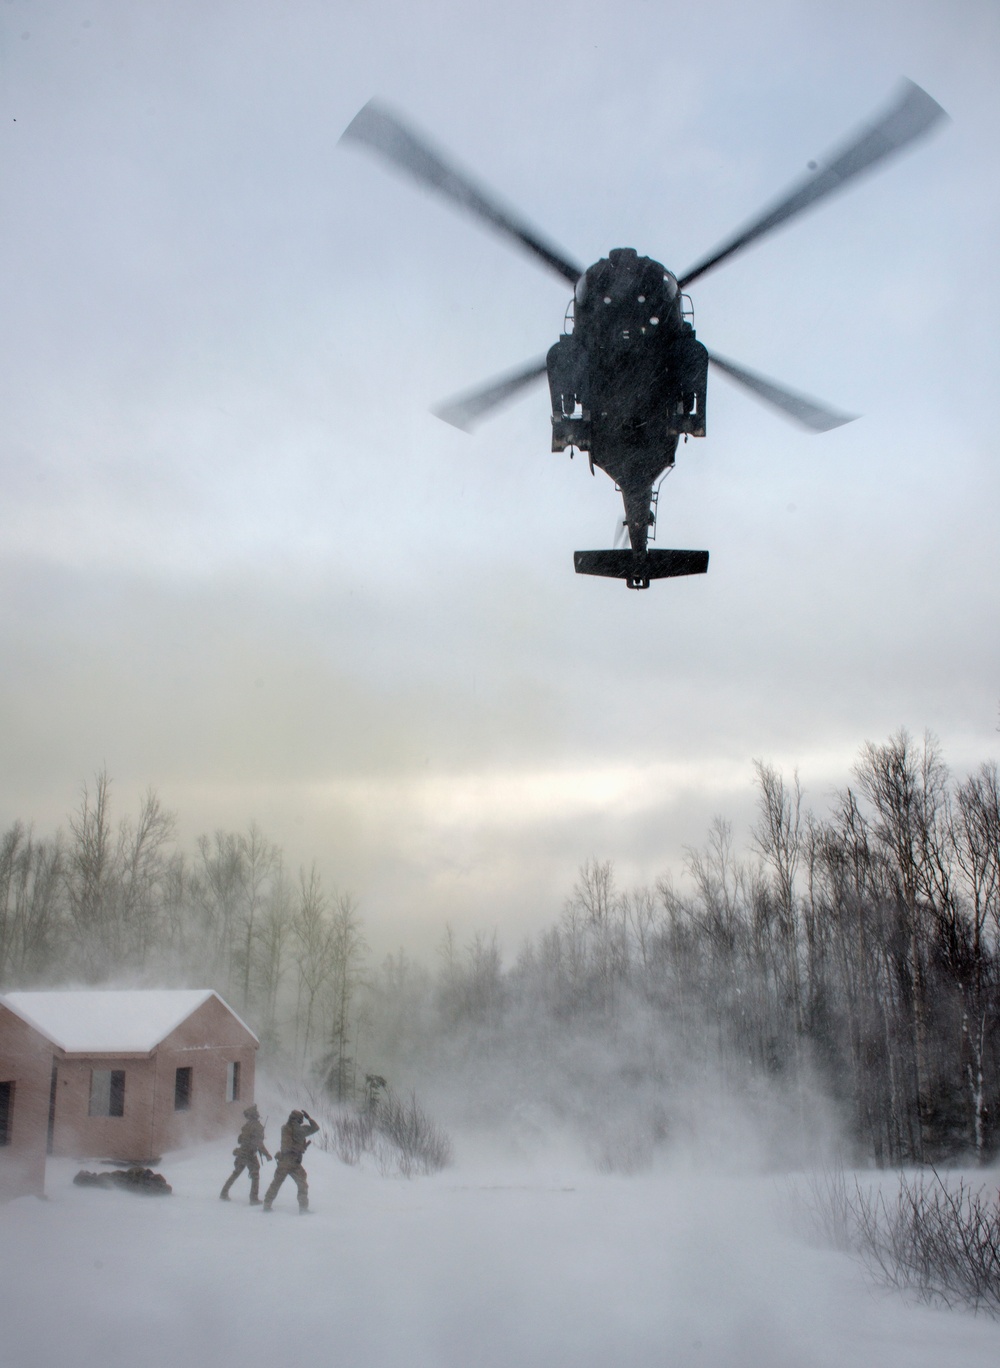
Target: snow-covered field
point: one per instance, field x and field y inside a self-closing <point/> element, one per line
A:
<point x="496" y="1262"/>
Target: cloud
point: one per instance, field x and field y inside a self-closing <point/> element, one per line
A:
<point x="242" y="563"/>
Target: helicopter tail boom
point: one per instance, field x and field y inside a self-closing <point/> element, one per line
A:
<point x="638" y="568"/>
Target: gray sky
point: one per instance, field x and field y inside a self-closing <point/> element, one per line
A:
<point x="241" y="562"/>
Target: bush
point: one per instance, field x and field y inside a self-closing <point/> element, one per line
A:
<point x="348" y="1135"/>
<point x="941" y="1241"/>
<point x="421" y="1145"/>
<point x="399" y="1136"/>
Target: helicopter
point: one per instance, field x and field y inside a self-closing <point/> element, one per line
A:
<point x="628" y="375"/>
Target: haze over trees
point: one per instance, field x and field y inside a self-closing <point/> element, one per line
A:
<point x="847" y="964"/>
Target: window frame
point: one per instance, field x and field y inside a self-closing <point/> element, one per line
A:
<point x="113" y="1097"/>
<point x="183" y="1088"/>
<point x="233" y="1072"/>
<point x="8" y="1091"/>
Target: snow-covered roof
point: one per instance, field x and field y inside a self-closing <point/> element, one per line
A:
<point x="109" y="1020"/>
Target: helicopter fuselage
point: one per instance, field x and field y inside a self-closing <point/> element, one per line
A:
<point x="629" y="379"/>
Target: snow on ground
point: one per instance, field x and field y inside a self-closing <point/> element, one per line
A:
<point x="494" y="1262"/>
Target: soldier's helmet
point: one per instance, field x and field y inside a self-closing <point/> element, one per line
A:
<point x="251" y="1111"/>
<point x="295" y="1116"/>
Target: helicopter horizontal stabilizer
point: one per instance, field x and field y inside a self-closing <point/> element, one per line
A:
<point x="639" y="568"/>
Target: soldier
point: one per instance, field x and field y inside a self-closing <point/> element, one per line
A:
<point x="294" y="1143"/>
<point x="249" y="1145"/>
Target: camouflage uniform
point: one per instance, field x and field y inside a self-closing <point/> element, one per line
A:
<point x="249" y="1145"/>
<point x="294" y="1143"/>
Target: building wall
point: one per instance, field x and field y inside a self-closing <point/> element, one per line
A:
<point x="207" y="1042"/>
<point x="25" y="1061"/>
<point x="77" y="1135"/>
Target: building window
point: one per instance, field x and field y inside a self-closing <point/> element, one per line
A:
<point x="182" y="1090"/>
<point x="107" y="1092"/>
<point x="6" y="1112"/>
<point x="233" y="1081"/>
<point x="53" y="1090"/>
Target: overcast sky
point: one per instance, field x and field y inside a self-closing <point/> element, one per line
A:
<point x="242" y="563"/>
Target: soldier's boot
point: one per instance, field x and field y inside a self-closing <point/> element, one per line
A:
<point x="255" y="1192"/>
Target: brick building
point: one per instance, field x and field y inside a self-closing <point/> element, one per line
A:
<point x="126" y="1074"/>
<point x="25" y="1086"/>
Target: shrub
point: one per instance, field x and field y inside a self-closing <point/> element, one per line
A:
<point x="349" y="1135"/>
<point x="939" y="1240"/>
<point x="398" y="1135"/>
<point x="421" y="1145"/>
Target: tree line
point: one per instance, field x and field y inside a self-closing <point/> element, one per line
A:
<point x="853" y="956"/>
<point x="118" y="902"/>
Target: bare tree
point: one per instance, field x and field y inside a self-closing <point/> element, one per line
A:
<point x="90" y="875"/>
<point x="643" y="918"/>
<point x="274" y="931"/>
<point x="216" y="890"/>
<point x="907" y="790"/>
<point x="259" y="860"/>
<point x="139" y="869"/>
<point x="598" y="911"/>
<point x="485" y="990"/>
<point x="977" y="850"/>
<point x="315" y="955"/>
<point x="349" y="949"/>
<point x="777" y="836"/>
<point x="112" y="880"/>
<point x="31" y="876"/>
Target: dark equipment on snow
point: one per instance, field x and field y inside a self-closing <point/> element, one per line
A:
<point x="628" y="377"/>
<point x="135" y="1178"/>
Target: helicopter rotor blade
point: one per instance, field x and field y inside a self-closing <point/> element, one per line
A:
<point x="376" y="127"/>
<point x="467" y="409"/>
<point x="912" y="114"/>
<point x="802" y="410"/>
